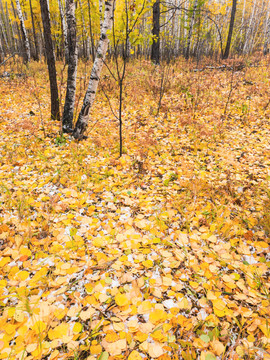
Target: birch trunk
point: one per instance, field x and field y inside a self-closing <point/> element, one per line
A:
<point x="2" y="29"/>
<point x="10" y="35"/>
<point x="67" y="121"/>
<point x="267" y="34"/>
<point x="4" y="25"/>
<point x="84" y="33"/>
<point x="191" y="29"/>
<point x="64" y="27"/>
<point x="242" y="26"/>
<point x="249" y="30"/>
<point x="82" y="122"/>
<point x="91" y="32"/>
<point x="26" y="45"/>
<point x="100" y="7"/>
<point x="20" y="44"/>
<point x="2" y="54"/>
<point x="50" y="57"/>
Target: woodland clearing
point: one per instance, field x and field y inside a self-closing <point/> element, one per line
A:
<point x="162" y="253"/>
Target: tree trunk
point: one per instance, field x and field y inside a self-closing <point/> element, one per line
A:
<point x="100" y="7"/>
<point x="64" y="28"/>
<point x="82" y="122"/>
<point x="26" y="45"/>
<point x="67" y="121"/>
<point x="91" y="31"/>
<point x="50" y="57"/>
<point x="229" y="38"/>
<point x="191" y="29"/>
<point x="84" y="34"/>
<point x="155" y="50"/>
<point x="249" y="30"/>
<point x="9" y="31"/>
<point x="2" y="54"/>
<point x="36" y="57"/>
<point x="20" y="44"/>
<point x="267" y="34"/>
<point x="5" y="46"/>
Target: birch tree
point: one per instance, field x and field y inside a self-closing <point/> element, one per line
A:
<point x="5" y="42"/>
<point x="82" y="122"/>
<point x="55" y="111"/>
<point x="267" y="34"/>
<point x="64" y="27"/>
<point x="2" y="54"/>
<point x="67" y="121"/>
<point x="191" y="29"/>
<point x="85" y="37"/>
<point x="26" y="44"/>
<point x="250" y="30"/>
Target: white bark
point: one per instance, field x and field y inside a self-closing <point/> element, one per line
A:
<point x="100" y="6"/>
<point x="89" y="98"/>
<point x="85" y="35"/>
<point x="267" y="34"/>
<point x="2" y="54"/>
<point x="26" y="44"/>
<point x="250" y="30"/>
<point x="2" y="29"/>
<point x="191" y="29"/>
<point x="64" y="26"/>
<point x="67" y="121"/>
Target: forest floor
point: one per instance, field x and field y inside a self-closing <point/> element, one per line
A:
<point x="160" y="254"/>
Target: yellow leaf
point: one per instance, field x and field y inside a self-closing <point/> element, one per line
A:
<point x="184" y="304"/>
<point x="134" y="355"/>
<point x="39" y="327"/>
<point x="77" y="328"/>
<point x="155" y="350"/>
<point x="118" y="326"/>
<point x="111" y="337"/>
<point x="219" y="304"/>
<point x="218" y="347"/>
<point x="158" y="316"/>
<point x="159" y="336"/>
<point x="194" y="284"/>
<point x="98" y="242"/>
<point x="133" y="326"/>
<point x="95" y="349"/>
<point x="140" y="336"/>
<point x="18" y="315"/>
<point x="10" y="329"/>
<point x="4" y="261"/>
<point x="211" y="295"/>
<point x="145" y="307"/>
<point x="115" y="348"/>
<point x="121" y="299"/>
<point x="58" y="332"/>
<point x="87" y="314"/>
<point x="147" y="263"/>
<point x="265" y="329"/>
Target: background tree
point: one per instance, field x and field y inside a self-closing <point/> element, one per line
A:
<point x="229" y="38"/>
<point x="67" y="120"/>
<point x="82" y="122"/>
<point x="50" y="57"/>
<point x="26" y="45"/>
<point x="191" y="24"/>
<point x="155" y="50"/>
